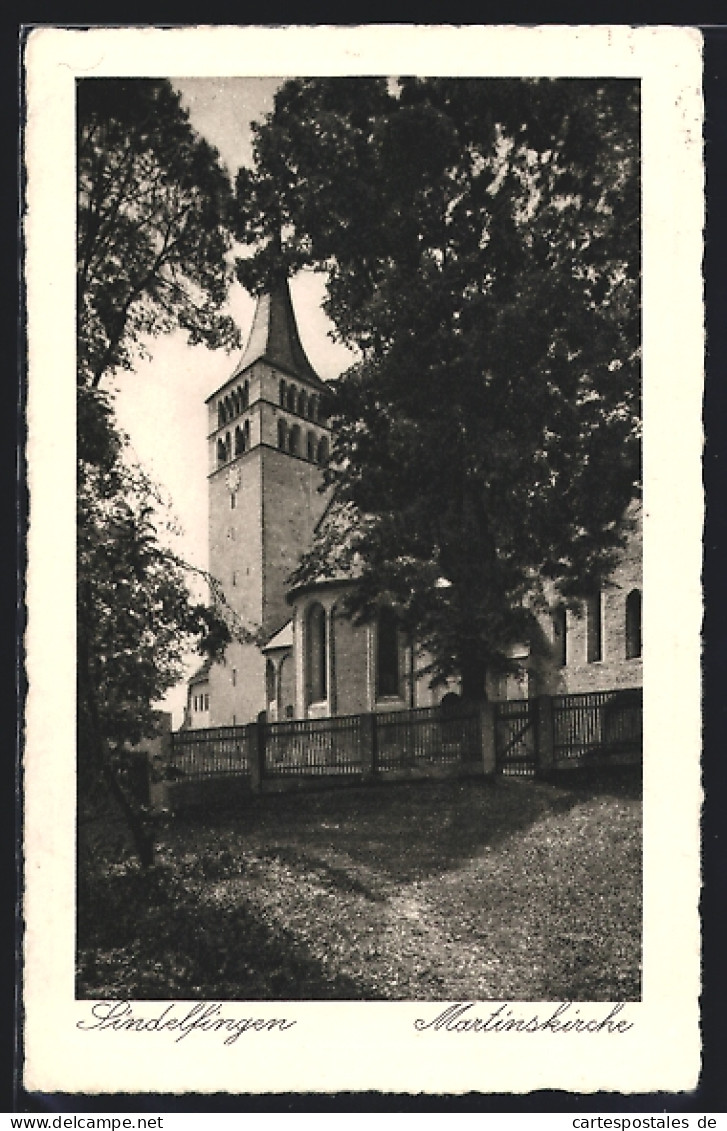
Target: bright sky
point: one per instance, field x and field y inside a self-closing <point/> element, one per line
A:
<point x="161" y="404"/>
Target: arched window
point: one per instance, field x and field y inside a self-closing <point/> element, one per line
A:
<point x="245" y="397"/>
<point x="239" y="441"/>
<point x="270" y="681"/>
<point x="560" y="636"/>
<point x="235" y="403"/>
<point x="312" y="407"/>
<point x="221" y="452"/>
<point x="294" y="440"/>
<point x="388" y="680"/>
<point x="221" y="418"/>
<point x="311" y="446"/>
<point x="316" y="654"/>
<point x="291" y="398"/>
<point x="283" y="393"/>
<point x="282" y="434"/>
<point x="594" y="628"/>
<point x="322" y="450"/>
<point x="302" y="403"/>
<point x="633" y="624"/>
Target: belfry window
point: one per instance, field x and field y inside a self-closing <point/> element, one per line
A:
<point x="290" y="399"/>
<point x="294" y="440"/>
<point x="388" y="680"/>
<point x="282" y="434"/>
<point x="282" y="393"/>
<point x="239" y="441"/>
<point x="316" y="654"/>
<point x="302" y="403"/>
<point x="633" y="624"/>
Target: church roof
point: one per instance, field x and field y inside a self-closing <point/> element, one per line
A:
<point x="282" y="639"/>
<point x="274" y="337"/>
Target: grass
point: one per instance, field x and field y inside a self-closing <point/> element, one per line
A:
<point x="448" y="890"/>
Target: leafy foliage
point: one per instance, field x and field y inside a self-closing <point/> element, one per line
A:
<point x="483" y="248"/>
<point x="153" y="238"/>
<point x="152" y="256"/>
<point x="135" y="621"/>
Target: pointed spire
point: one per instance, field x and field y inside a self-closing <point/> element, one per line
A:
<point x="274" y="336"/>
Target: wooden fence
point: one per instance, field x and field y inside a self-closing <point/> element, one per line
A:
<point x="521" y="738"/>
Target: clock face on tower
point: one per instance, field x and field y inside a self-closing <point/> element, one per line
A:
<point x="233" y="479"/>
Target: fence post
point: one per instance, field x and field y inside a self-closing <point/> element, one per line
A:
<point x="544" y="736"/>
<point x="257" y="752"/>
<point x="368" y="745"/>
<point x="487" y="737"/>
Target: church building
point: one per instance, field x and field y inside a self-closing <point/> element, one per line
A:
<point x="268" y="437"/>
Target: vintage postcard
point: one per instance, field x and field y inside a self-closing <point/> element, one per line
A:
<point x="365" y="535"/>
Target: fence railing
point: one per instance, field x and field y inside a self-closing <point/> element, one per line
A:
<point x="425" y="735"/>
<point x="313" y="746"/>
<point x="209" y="752"/>
<point x="517" y="738"/>
<point x="596" y="725"/>
<point x="351" y="745"/>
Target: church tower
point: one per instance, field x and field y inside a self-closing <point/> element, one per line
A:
<point x="268" y="437"/>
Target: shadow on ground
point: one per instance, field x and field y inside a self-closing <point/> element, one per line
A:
<point x="407" y="831"/>
<point x="148" y="936"/>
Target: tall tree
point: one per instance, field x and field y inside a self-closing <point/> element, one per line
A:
<point x="152" y="255"/>
<point x="135" y="620"/>
<point x="153" y="237"/>
<point x="482" y="243"/>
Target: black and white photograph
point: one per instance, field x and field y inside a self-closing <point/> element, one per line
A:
<point x="372" y="455"/>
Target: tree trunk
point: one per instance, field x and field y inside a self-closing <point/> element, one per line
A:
<point x="472" y="672"/>
<point x="141" y="835"/>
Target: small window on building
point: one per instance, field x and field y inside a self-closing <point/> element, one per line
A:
<point x="302" y="403"/>
<point x="234" y="677"/>
<point x="312" y="407"/>
<point x="316" y="654"/>
<point x="294" y="440"/>
<point x="282" y="435"/>
<point x="270" y="689"/>
<point x="388" y="682"/>
<point x="283" y="393"/>
<point x="291" y="398"/>
<point x="221" y="418"/>
<point x="246" y="436"/>
<point x="322" y="450"/>
<point x="239" y="441"/>
<point x="594" y="629"/>
<point x="234" y="577"/>
<point x="633" y="624"/>
<point x="221" y="452"/>
<point x="233" y="500"/>
<point x="245" y="400"/>
<point x="560" y="636"/>
<point x="311" y="446"/>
